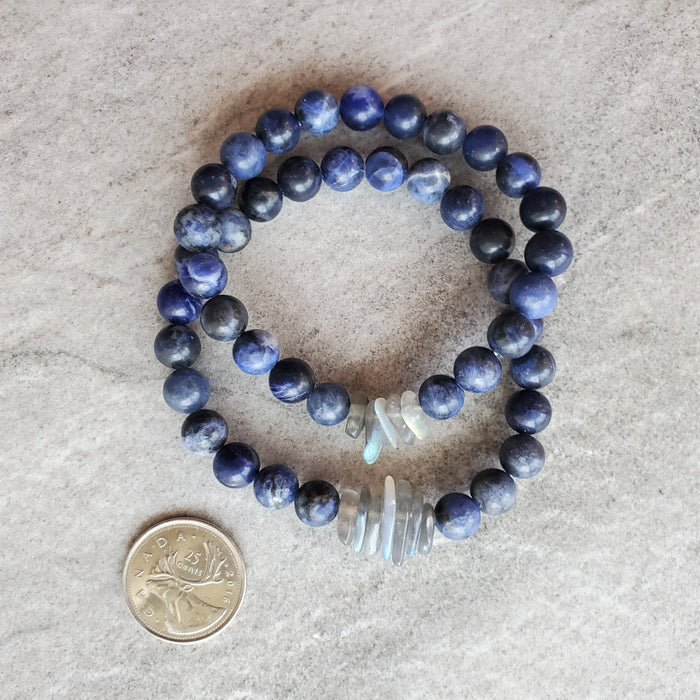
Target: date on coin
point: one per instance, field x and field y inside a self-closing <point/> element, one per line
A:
<point x="184" y="579"/>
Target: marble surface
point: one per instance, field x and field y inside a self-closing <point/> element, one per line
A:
<point x="587" y="587"/>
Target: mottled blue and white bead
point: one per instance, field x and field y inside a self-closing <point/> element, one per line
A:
<point x="484" y="147"/>
<point x="477" y="369"/>
<point x="213" y="184"/>
<point x="235" y="230"/>
<point x="511" y="334"/>
<point x="316" y="503"/>
<point x="176" y="305"/>
<point x="522" y="456"/>
<point x="299" y="178"/>
<point x="177" y="346"/>
<point x="386" y="168"/>
<point x="317" y="112"/>
<point x="441" y="397"/>
<point x="443" y="132"/>
<point x="462" y="207"/>
<point x="186" y="390"/>
<point x="494" y="491"/>
<point x="275" y="486"/>
<point x="328" y="404"/>
<point x="261" y="199"/>
<point x="361" y="108"/>
<point x="256" y="351"/>
<point x="528" y="411"/>
<point x="204" y="432"/>
<point x="534" y="369"/>
<point x="534" y="294"/>
<point x="236" y="464"/>
<point x="203" y="275"/>
<point x="457" y="516"/>
<point x="517" y="173"/>
<point x="197" y="228"/>
<point x="342" y="168"/>
<point x="224" y="318"/>
<point x="291" y="380"/>
<point x="244" y="155"/>
<point x="550" y="252"/>
<point x="278" y="130"/>
<point x="427" y="180"/>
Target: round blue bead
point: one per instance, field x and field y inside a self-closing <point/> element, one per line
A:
<point x="176" y="305"/>
<point x="522" y="456"/>
<point x="328" y="403"/>
<point x="443" y="132"/>
<point x="236" y="465"/>
<point x="224" y="317"/>
<point x="457" y="516"/>
<point x="235" y="230"/>
<point x="462" y="207"/>
<point x="342" y="168"/>
<point x="197" y="228"/>
<point x="177" y="346"/>
<point x="204" y="432"/>
<point x="550" y="252"/>
<point x="427" y="180"/>
<point x="299" y="178"/>
<point x="542" y="208"/>
<point x="186" y="390"/>
<point x="528" y="411"/>
<point x="261" y="199"/>
<point x="511" y="334"/>
<point x="501" y="277"/>
<point x="534" y="294"/>
<point x="203" y="275"/>
<point x="492" y="240"/>
<point x="535" y="369"/>
<point x="317" y="112"/>
<point x="276" y="486"/>
<point x="278" y="130"/>
<point x="517" y="173"/>
<point x="494" y="491"/>
<point x="244" y="155"/>
<point x="291" y="380"/>
<point x="214" y="185"/>
<point x="316" y="503"/>
<point x="404" y="116"/>
<point x="256" y="351"/>
<point x="477" y="370"/>
<point x="361" y="108"/>
<point x="181" y="254"/>
<point x="440" y="397"/>
<point x="484" y="147"/>
<point x="386" y="168"/>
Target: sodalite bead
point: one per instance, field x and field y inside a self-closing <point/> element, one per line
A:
<point x="186" y="390"/>
<point x="347" y="515"/>
<point x="404" y="116"/>
<point x="528" y="411"/>
<point x="236" y="465"/>
<point x="275" y="486"/>
<point x="375" y="437"/>
<point x="278" y="130"/>
<point x="204" y="432"/>
<point x="517" y="174"/>
<point x="224" y="318"/>
<point x="197" y="228"/>
<point x="317" y="112"/>
<point x="356" y="415"/>
<point x="393" y="412"/>
<point x="491" y="240"/>
<point x="550" y="252"/>
<point x="534" y="294"/>
<point x="299" y="178"/>
<point x="261" y="199"/>
<point x="244" y="155"/>
<point x="256" y="351"/>
<point x="388" y="516"/>
<point x="484" y="147"/>
<point x="535" y="369"/>
<point x="457" y="516"/>
<point x="443" y="132"/>
<point x="494" y="491"/>
<point x="501" y="277"/>
<point x="386" y="168"/>
<point x="392" y="435"/>
<point x="176" y="305"/>
<point x="291" y="380"/>
<point x="441" y="397"/>
<point x="413" y="415"/>
<point x="203" y="275"/>
<point x="361" y="108"/>
<point x="316" y="503"/>
<point x="477" y="370"/>
<point x="342" y="168"/>
<point x="427" y="530"/>
<point x="462" y="207"/>
<point x="403" y="513"/>
<point x="542" y="208"/>
<point x="177" y="346"/>
<point x="235" y="230"/>
<point x="522" y="456"/>
<point x="511" y="334"/>
<point x="328" y="403"/>
<point x="427" y="180"/>
<point x="213" y="184"/>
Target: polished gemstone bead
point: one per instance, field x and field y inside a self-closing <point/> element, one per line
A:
<point x="186" y="390"/>
<point x="361" y="108"/>
<point x="256" y="351"/>
<point x="291" y="380"/>
<point x="373" y="531"/>
<point x="235" y="230"/>
<point x="414" y="523"/>
<point x="491" y="240"/>
<point x="535" y="369"/>
<point x="427" y="180"/>
<point x="278" y="130"/>
<point x="542" y="208"/>
<point x="213" y="184"/>
<point x="356" y="415"/>
<point x="317" y="112"/>
<point x="393" y="412"/>
<point x="462" y="207"/>
<point x="403" y="513"/>
<point x="363" y="506"/>
<point x="457" y="516"/>
<point x="427" y="530"/>
<point x="375" y="437"/>
<point x="388" y="516"/>
<point x="299" y="178"/>
<point x="404" y="116"/>
<point x="261" y="199"/>
<point x="528" y="411"/>
<point x="203" y="275"/>
<point x="477" y="370"/>
<point x="517" y="174"/>
<point x="413" y="415"/>
<point x="236" y="464"/>
<point x="550" y="252"/>
<point x="534" y="294"/>
<point x="177" y="346"/>
<point x="522" y="455"/>
<point x="443" y="132"/>
<point x="484" y="147"/>
<point x="275" y="486"/>
<point x="342" y="168"/>
<point x="197" y="228"/>
<point x="347" y="516"/>
<point x="501" y="277"/>
<point x="441" y="397"/>
<point x="392" y="435"/>
<point x="511" y="334"/>
<point x="244" y="155"/>
<point x="224" y="317"/>
<point x="494" y="491"/>
<point x="176" y="305"/>
<point x="181" y="254"/>
<point x="316" y="503"/>
<point x="328" y="403"/>
<point x="386" y="168"/>
<point x="204" y="432"/>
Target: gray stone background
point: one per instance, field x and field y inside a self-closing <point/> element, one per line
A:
<point x="588" y="587"/>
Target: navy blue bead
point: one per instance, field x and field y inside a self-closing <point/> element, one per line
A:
<point x="197" y="228"/>
<point x="443" y="132"/>
<point x="317" y="112"/>
<point x="361" y="108"/>
<point x="235" y="230"/>
<point x="534" y="294"/>
<point x="224" y="318"/>
<point x="494" y="491"/>
<point x="176" y="305"/>
<point x="535" y="369"/>
<point x="528" y="411"/>
<point x="181" y="254"/>
<point x="203" y="275"/>
<point x="440" y="397"/>
<point x="477" y="370"/>
<point x="342" y="168"/>
<point x="457" y="516"/>
<point x="501" y="277"/>
<point x="427" y="180"/>
<point x="261" y="199"/>
<point x="291" y="380"/>
<point x="204" y="432"/>
<point x="386" y="168"/>
<point x="316" y="503"/>
<point x="177" y="346"/>
<point x="542" y="208"/>
<point x="278" y="130"/>
<point x="236" y="465"/>
<point x="256" y="351"/>
<point x="462" y="207"/>
<point x="484" y="147"/>
<point x="517" y="173"/>
<point x="276" y="486"/>
<point x="404" y="116"/>
<point x="299" y="178"/>
<point x="522" y="456"/>
<point x="213" y="184"/>
<point x="492" y="240"/>
<point x="511" y="334"/>
<point x="244" y="155"/>
<point x="186" y="390"/>
<point x="550" y="252"/>
<point x="328" y="403"/>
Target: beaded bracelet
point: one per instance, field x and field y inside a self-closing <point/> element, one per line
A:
<point x="394" y="519"/>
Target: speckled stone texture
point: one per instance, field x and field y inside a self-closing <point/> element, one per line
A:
<point x="587" y="587"/>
